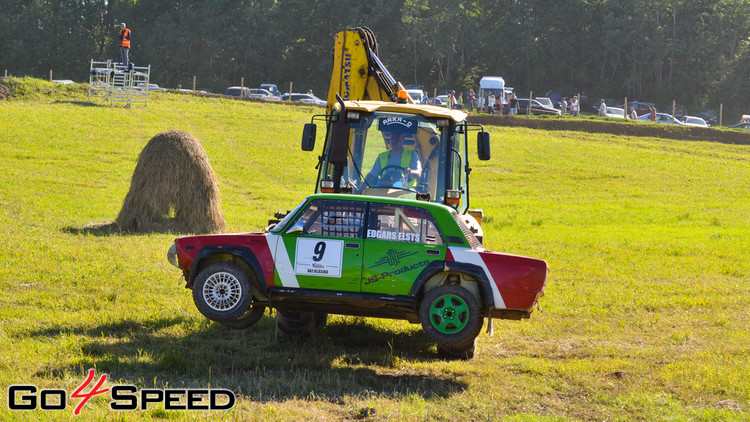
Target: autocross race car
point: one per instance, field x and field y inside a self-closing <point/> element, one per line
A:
<point x="361" y="255"/>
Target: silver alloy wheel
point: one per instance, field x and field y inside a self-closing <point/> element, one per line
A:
<point x="222" y="291"/>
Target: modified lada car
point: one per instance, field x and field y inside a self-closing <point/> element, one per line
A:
<point x="366" y="256"/>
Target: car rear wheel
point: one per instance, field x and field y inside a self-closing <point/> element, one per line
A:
<point x="222" y="292"/>
<point x="450" y="315"/>
<point x="248" y="319"/>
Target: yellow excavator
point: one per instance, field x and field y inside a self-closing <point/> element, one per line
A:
<point x="368" y="114"/>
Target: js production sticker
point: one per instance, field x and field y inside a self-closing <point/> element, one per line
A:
<point x="319" y="257"/>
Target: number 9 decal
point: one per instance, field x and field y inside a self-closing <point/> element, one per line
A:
<point x="320" y="249"/>
<point x="320" y="258"/>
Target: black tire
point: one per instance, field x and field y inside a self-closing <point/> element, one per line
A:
<point x="453" y="353"/>
<point x="293" y="325"/>
<point x="450" y="315"/>
<point x="222" y="292"/>
<point x="321" y="319"/>
<point x="248" y="319"/>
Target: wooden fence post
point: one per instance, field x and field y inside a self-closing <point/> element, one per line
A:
<point x="625" y="107"/>
<point x="193" y="82"/>
<point x="528" y="109"/>
<point x="242" y="86"/>
<point x="721" y="112"/>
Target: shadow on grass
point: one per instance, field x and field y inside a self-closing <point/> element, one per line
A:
<point x="113" y="229"/>
<point x="349" y="358"/>
<point x="80" y="103"/>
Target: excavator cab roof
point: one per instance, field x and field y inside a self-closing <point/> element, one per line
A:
<point x="423" y="110"/>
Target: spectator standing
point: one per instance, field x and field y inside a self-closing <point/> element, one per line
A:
<point x="633" y="114"/>
<point x="491" y="104"/>
<point x="460" y="100"/>
<point x="499" y="103"/>
<point x="574" y="106"/>
<point x="602" y="108"/>
<point x="652" y="114"/>
<point x="564" y="105"/>
<point x="124" y="36"/>
<point x="513" y="105"/>
<point x="471" y="98"/>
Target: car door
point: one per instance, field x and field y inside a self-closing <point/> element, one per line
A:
<point x="322" y="249"/>
<point x="400" y="242"/>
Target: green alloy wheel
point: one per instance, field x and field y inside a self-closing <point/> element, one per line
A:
<point x="450" y="315"/>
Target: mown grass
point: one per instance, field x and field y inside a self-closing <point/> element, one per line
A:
<point x="645" y="317"/>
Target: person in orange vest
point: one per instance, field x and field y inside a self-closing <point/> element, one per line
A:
<point x="124" y="44"/>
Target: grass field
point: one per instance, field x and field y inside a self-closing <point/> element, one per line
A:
<point x="646" y="315"/>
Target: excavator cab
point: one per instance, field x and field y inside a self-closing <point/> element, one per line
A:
<point x="378" y="142"/>
<point x="398" y="150"/>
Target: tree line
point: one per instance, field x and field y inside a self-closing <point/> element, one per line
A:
<point x="696" y="52"/>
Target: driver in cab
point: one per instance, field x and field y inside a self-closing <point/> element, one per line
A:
<point x="394" y="165"/>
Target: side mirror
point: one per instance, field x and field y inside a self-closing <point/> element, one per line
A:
<point x="339" y="143"/>
<point x="483" y="145"/>
<point x="308" y="137"/>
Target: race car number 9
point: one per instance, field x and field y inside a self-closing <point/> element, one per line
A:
<point x="319" y="257"/>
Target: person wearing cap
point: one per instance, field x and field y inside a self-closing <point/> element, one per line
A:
<point x="396" y="158"/>
<point x="124" y="44"/>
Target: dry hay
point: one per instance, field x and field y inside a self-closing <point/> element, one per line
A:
<point x="173" y="188"/>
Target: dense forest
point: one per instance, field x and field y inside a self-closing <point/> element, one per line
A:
<point x="696" y="52"/>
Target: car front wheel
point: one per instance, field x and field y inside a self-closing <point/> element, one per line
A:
<point x="450" y="315"/>
<point x="222" y="292"/>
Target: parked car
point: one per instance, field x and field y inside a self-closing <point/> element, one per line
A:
<point x="741" y="126"/>
<point x="709" y="116"/>
<point x="151" y="87"/>
<point x="442" y="100"/>
<point x="545" y="101"/>
<point x="303" y="98"/>
<point x="263" y="94"/>
<point x="272" y="88"/>
<point x="381" y="257"/>
<point x="641" y="107"/>
<point x="416" y="94"/>
<point x="662" y="118"/>
<point x="616" y="112"/>
<point x="536" y="108"/>
<point x="693" y="121"/>
<point x="237" y="91"/>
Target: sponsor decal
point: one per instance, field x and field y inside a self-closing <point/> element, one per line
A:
<point x="122" y="397"/>
<point x="392" y="257"/>
<point x="397" y="124"/>
<point x="347" y="76"/>
<point x="390" y="235"/>
<point x="402" y="270"/>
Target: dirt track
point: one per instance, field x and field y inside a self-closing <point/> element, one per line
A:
<point x="689" y="133"/>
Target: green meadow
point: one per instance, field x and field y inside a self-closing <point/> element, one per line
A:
<point x="646" y="314"/>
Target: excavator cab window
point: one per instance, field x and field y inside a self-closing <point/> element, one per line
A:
<point x="396" y="154"/>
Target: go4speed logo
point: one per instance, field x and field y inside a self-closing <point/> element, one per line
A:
<point x="122" y="397"/>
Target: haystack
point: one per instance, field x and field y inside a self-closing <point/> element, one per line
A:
<point x="173" y="188"/>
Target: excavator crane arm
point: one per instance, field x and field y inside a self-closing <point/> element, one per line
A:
<point x="358" y="74"/>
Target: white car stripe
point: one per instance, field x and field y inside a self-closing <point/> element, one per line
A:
<point x="471" y="256"/>
<point x="281" y="261"/>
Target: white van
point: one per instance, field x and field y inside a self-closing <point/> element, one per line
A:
<point x="494" y="85"/>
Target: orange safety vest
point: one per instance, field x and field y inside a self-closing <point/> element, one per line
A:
<point x="125" y="37"/>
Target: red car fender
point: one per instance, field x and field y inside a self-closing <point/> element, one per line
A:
<point x="516" y="281"/>
<point x="200" y="247"/>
